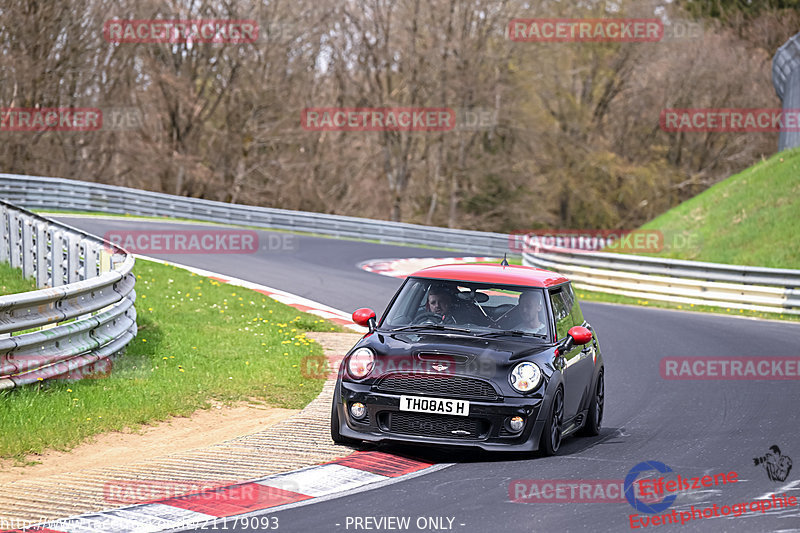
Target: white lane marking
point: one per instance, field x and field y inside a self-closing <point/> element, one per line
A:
<point x="336" y="495"/>
<point x="322" y="480"/>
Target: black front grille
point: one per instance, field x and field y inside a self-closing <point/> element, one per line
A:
<point x="438" y="385"/>
<point x="430" y="425"/>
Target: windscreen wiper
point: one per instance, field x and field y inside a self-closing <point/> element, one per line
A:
<point x="515" y="332"/>
<point x="438" y="327"/>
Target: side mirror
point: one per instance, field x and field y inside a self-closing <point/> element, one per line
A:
<point x="580" y="334"/>
<point x="577" y="335"/>
<point x="364" y="317"/>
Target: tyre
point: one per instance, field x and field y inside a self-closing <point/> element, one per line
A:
<point x="594" y="419"/>
<point x="551" y="436"/>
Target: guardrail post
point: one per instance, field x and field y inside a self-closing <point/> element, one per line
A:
<point x="42" y="273"/>
<point x="15" y="246"/>
<point x="90" y="260"/>
<point x="27" y="249"/>
<point x="4" y="234"/>
<point x="58" y="261"/>
<point x="73" y="259"/>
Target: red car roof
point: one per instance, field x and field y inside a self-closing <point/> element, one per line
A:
<point x="493" y="273"/>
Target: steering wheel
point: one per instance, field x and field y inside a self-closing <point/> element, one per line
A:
<point x="429" y="317"/>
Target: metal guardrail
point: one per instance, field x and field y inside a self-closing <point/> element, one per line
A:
<point x="689" y="282"/>
<point x="772" y="290"/>
<point x="83" y="309"/>
<point x="57" y="193"/>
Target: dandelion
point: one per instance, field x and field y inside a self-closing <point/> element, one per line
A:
<point x="164" y="358"/>
<point x="69" y="390"/>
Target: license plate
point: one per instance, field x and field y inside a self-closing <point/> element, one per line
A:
<point x="440" y="406"/>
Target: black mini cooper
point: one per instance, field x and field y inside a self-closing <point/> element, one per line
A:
<point x="491" y="356"/>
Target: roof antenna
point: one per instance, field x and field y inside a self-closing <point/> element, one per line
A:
<point x="504" y="262"/>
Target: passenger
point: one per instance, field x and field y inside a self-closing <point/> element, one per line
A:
<point x="527" y="315"/>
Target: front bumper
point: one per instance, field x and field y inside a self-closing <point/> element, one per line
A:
<point x="484" y="427"/>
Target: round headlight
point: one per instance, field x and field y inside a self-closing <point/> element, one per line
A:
<point x="525" y="377"/>
<point x="358" y="410"/>
<point x="360" y="363"/>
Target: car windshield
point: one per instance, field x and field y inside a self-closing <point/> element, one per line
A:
<point x="468" y="307"/>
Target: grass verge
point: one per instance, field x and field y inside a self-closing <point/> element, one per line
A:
<point x="12" y="281"/>
<point x="200" y="342"/>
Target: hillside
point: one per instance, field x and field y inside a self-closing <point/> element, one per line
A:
<point x="751" y="218"/>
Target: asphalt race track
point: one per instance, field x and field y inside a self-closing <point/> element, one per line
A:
<point x="695" y="427"/>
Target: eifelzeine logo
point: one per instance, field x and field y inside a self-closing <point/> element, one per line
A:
<point x="50" y="119"/>
<point x="180" y="31"/>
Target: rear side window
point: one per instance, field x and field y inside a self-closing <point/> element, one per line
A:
<point x="572" y="303"/>
<point x="561" y="312"/>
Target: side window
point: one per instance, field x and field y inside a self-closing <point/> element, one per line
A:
<point x="561" y="313"/>
<point x="574" y="306"/>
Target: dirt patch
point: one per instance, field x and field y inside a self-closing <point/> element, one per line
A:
<point x="203" y="428"/>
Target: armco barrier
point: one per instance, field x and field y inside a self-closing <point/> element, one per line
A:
<point x="737" y="287"/>
<point x="56" y="193"/>
<point x="773" y="290"/>
<point x="83" y="309"/>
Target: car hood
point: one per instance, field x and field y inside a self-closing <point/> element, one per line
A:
<point x="451" y="353"/>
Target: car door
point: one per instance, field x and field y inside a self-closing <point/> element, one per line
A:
<point x="574" y="386"/>
<point x="583" y="368"/>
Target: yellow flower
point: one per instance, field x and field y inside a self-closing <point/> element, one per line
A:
<point x="164" y="358"/>
<point x="69" y="390"/>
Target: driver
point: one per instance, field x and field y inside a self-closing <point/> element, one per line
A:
<point x="440" y="303"/>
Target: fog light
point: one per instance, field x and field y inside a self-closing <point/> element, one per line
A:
<point x="516" y="424"/>
<point x="357" y="410"/>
